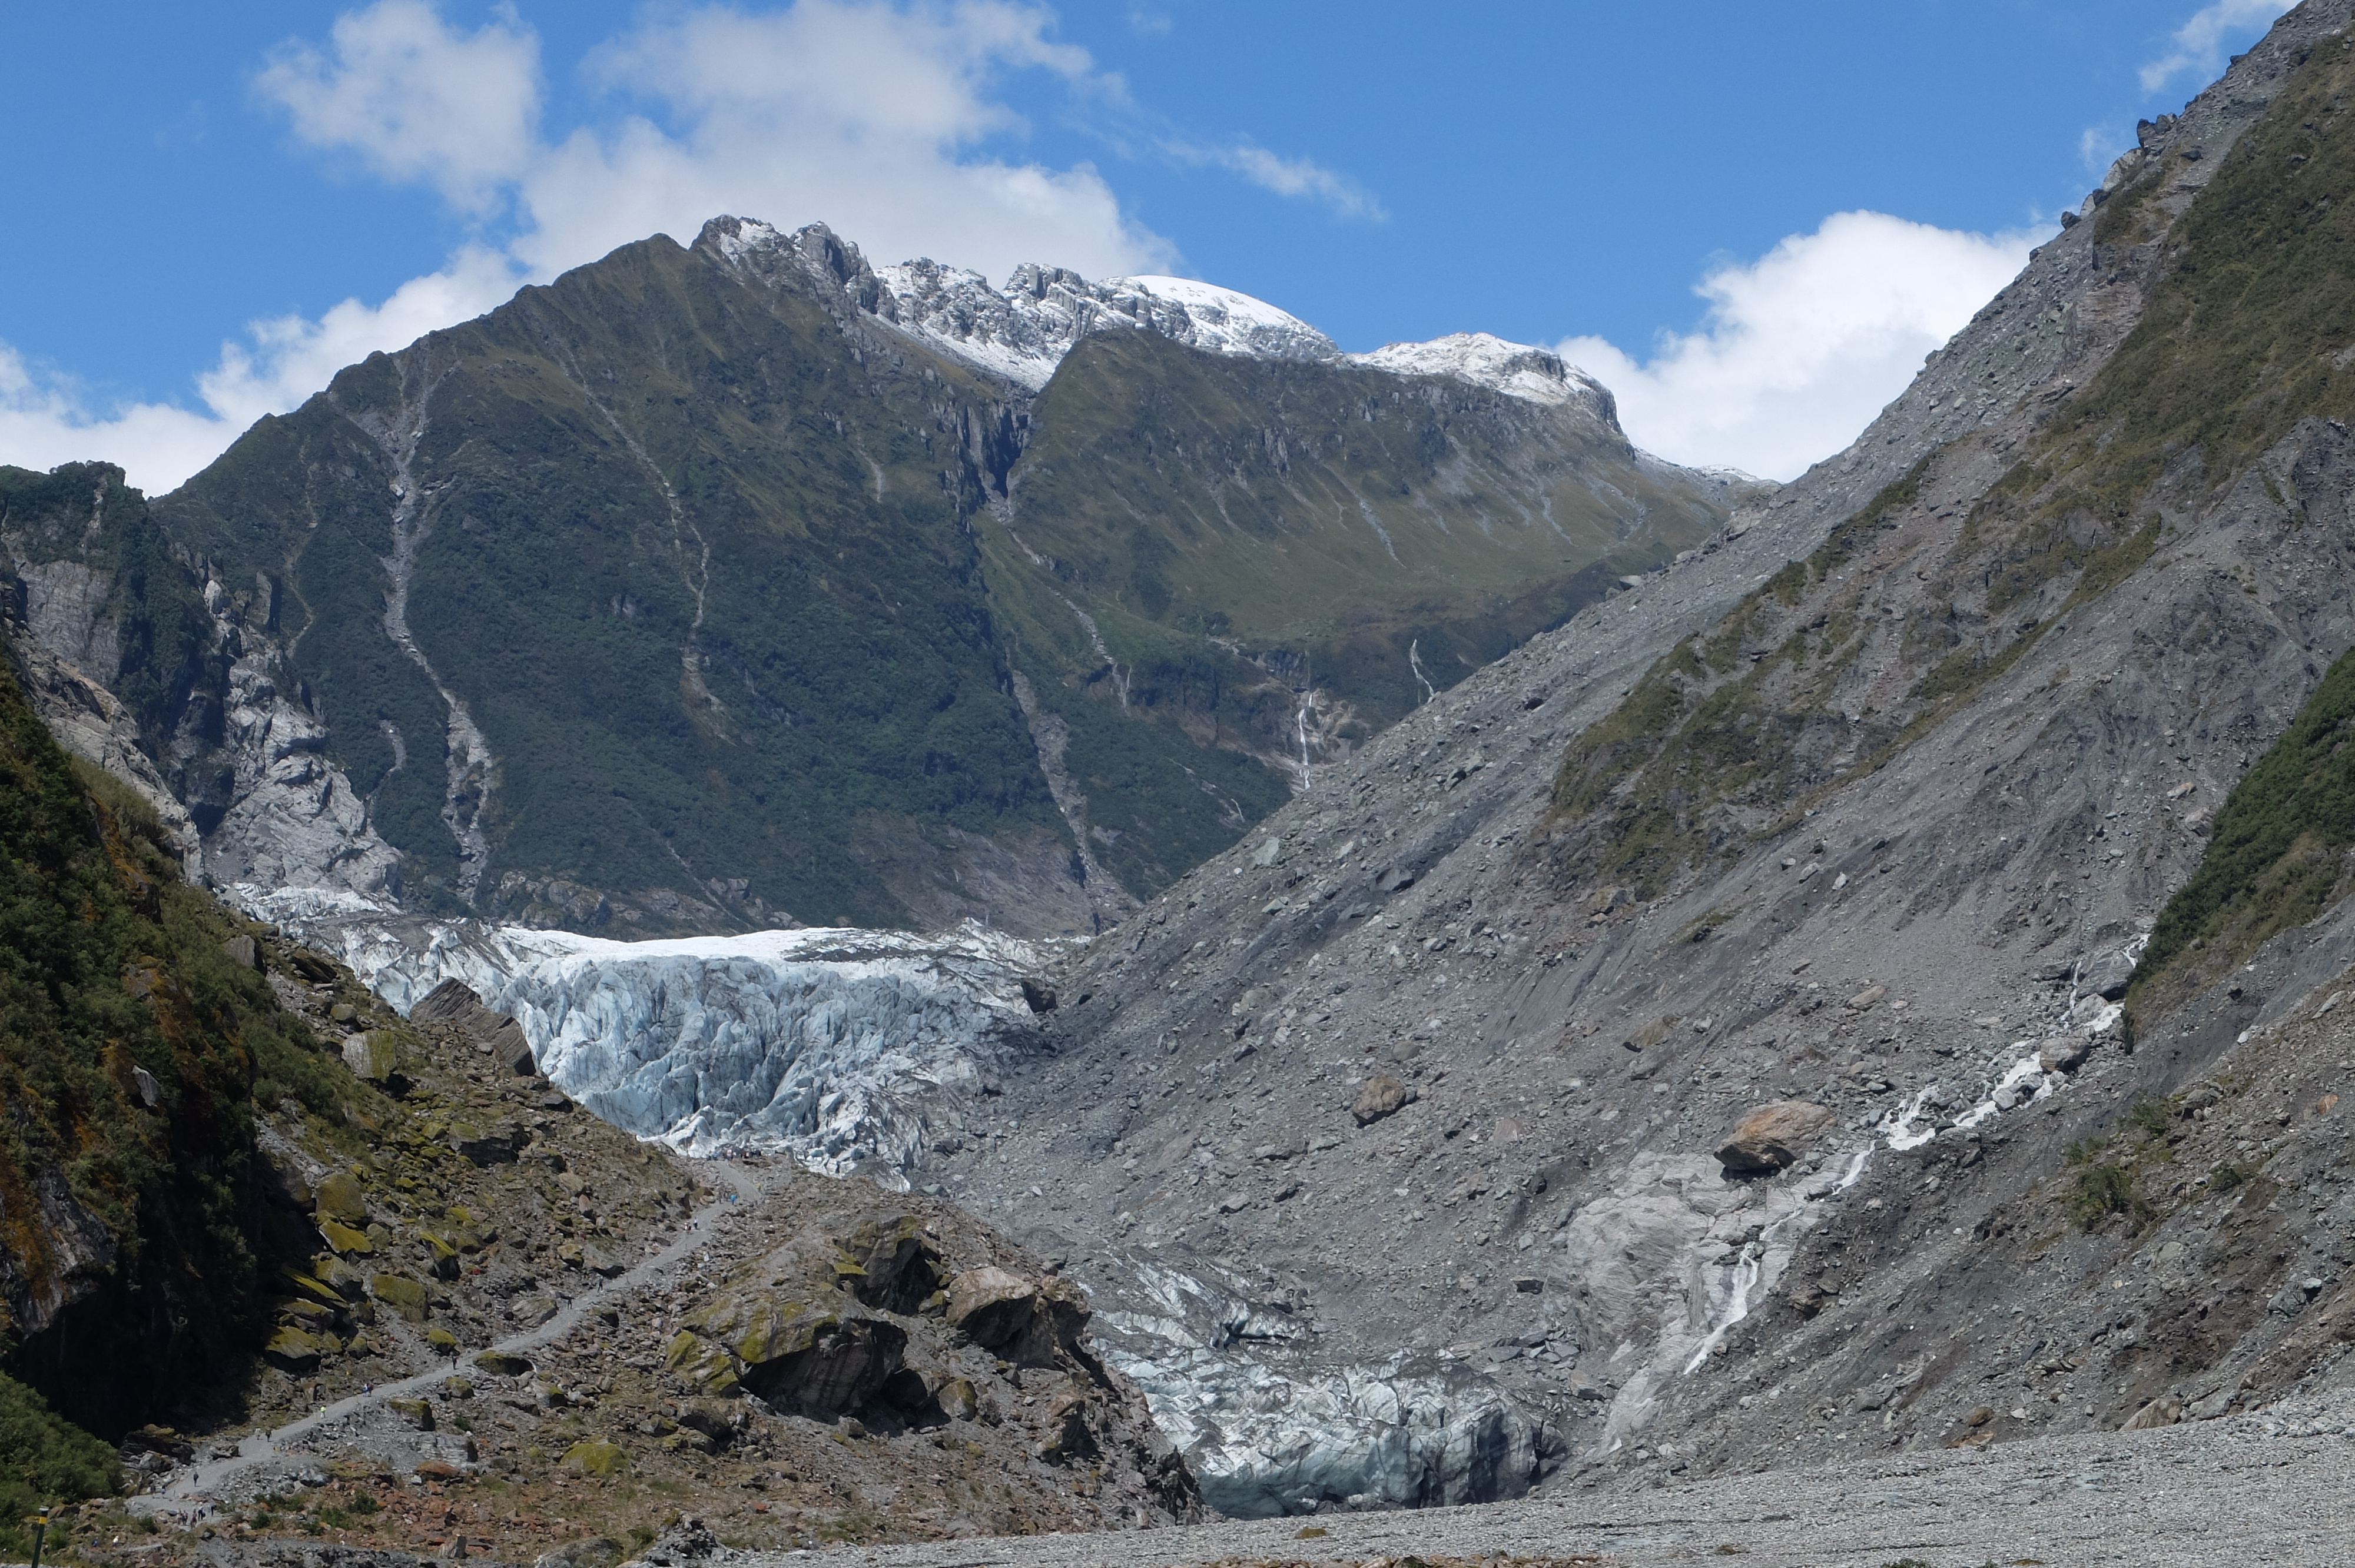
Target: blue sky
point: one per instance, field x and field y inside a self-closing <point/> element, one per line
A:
<point x="216" y="207"/>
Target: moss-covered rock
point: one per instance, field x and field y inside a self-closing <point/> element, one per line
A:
<point x="341" y="1196"/>
<point x="371" y="1055"/>
<point x="403" y="1294"/>
<point x="299" y="1350"/>
<point x="595" y="1458"/>
<point x="830" y="1354"/>
<point x="346" y="1240"/>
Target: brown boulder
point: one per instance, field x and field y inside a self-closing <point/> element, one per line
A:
<point x="1768" y="1138"/>
<point x="1382" y="1096"/>
<point x="991" y="1305"/>
<point x="1027" y="1321"/>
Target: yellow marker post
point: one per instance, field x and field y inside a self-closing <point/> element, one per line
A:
<point x="41" y="1523"/>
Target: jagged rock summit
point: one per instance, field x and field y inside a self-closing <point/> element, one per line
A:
<point x="1023" y="331"/>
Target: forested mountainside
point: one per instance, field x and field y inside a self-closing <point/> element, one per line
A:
<point x="696" y="591"/>
<point x="1880" y="985"/>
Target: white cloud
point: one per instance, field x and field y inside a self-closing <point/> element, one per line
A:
<point x="863" y="116"/>
<point x="1285" y="177"/>
<point x="1800" y="349"/>
<point x="2199" y="45"/>
<point x="293" y="356"/>
<point x="45" y="420"/>
<point x="417" y="101"/>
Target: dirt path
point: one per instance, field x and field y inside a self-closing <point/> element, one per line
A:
<point x="196" y="1484"/>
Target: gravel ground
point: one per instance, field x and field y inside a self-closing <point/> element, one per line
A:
<point x="2268" y="1489"/>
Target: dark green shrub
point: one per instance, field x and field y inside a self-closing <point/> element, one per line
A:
<point x="44" y="1459"/>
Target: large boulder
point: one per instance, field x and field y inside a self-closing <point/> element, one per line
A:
<point x="1027" y="1321"/>
<point x="828" y="1355"/>
<point x="297" y="1352"/>
<point x="893" y="1264"/>
<point x="1769" y="1138"/>
<point x="340" y="1196"/>
<point x="486" y="1145"/>
<point x="454" y="1003"/>
<point x="990" y="1305"/>
<point x="2105" y="975"/>
<point x="370" y="1055"/>
<point x="1382" y="1096"/>
<point x="403" y="1294"/>
<point x="595" y="1458"/>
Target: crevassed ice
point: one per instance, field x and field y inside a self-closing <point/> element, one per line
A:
<point x="836" y="1046"/>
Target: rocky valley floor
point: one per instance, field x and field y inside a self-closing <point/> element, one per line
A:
<point x="2245" y="1490"/>
<point x="2260" y="1490"/>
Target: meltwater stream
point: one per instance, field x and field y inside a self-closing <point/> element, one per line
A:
<point x="2017" y="1076"/>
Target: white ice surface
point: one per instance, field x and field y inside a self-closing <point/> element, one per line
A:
<point x="838" y="1047"/>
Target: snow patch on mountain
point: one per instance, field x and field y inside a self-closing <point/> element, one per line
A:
<point x="1517" y="370"/>
<point x="1023" y="331"/>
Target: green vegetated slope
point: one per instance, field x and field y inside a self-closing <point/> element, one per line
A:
<point x="2240" y="340"/>
<point x="1238" y="531"/>
<point x="2277" y="855"/>
<point x="44" y="1460"/>
<point x="701" y="575"/>
<point x="130" y="1051"/>
<point x="721" y="568"/>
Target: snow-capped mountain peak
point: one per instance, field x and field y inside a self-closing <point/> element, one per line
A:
<point x="1023" y="331"/>
<point x="1539" y="374"/>
<point x="1226" y="321"/>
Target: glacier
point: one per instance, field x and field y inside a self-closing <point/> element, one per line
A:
<point x="844" y="1049"/>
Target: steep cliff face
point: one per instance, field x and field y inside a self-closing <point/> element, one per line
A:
<point x="1864" y="813"/>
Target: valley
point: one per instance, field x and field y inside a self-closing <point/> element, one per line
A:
<point x="1068" y="912"/>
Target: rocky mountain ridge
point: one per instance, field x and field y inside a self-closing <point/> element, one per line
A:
<point x="1089" y="624"/>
